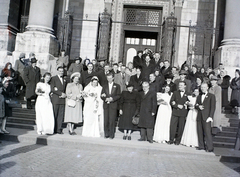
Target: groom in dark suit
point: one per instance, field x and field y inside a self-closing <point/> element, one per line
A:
<point x="58" y="88"/>
<point x="111" y="93"/>
<point x="205" y="105"/>
<point x="179" y="101"/>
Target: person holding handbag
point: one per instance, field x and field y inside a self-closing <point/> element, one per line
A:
<point x="129" y="105"/>
<point x="73" y="108"/>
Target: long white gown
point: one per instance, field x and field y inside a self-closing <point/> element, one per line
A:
<point x="44" y="110"/>
<point x="190" y="137"/>
<point x="92" y="112"/>
<point x="162" y="125"/>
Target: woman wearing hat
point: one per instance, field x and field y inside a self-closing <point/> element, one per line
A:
<point x="76" y="66"/>
<point x="43" y="107"/>
<point x="217" y="91"/>
<point x="93" y="109"/>
<point x="73" y="108"/>
<point x="129" y="106"/>
<point x="235" y="97"/>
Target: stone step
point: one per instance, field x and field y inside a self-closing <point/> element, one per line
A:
<point x="224" y="139"/>
<point x="20" y="125"/>
<point x="224" y="145"/>
<point x="21" y="120"/>
<point x="234" y="124"/>
<point x="24" y="115"/>
<point x="23" y="110"/>
<point x="230" y="129"/>
<point x="227" y="134"/>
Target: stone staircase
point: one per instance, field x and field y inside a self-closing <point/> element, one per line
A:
<point x="25" y="119"/>
<point x="227" y="137"/>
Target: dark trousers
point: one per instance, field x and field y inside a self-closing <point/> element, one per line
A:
<point x="29" y="105"/>
<point x="110" y="115"/>
<point x="204" y="132"/>
<point x="180" y="122"/>
<point x="147" y="133"/>
<point x="58" y="110"/>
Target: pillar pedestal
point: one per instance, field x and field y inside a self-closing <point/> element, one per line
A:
<point x="39" y="37"/>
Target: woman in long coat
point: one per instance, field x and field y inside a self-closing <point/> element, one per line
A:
<point x="73" y="109"/>
<point x="235" y="97"/>
<point x="217" y="91"/>
<point x="224" y="82"/>
<point x="129" y="105"/>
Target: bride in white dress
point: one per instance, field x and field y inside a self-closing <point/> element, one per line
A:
<point x="93" y="109"/>
<point x="162" y="125"/>
<point x="190" y="137"/>
<point x="43" y="107"/>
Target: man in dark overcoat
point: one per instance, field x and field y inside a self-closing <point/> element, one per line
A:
<point x="58" y="89"/>
<point x="147" y="113"/>
<point x="31" y="76"/>
<point x="179" y="102"/>
<point x="205" y="104"/>
<point x="111" y="93"/>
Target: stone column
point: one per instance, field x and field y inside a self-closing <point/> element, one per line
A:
<point x="229" y="52"/>
<point x="178" y="14"/>
<point x="9" y="15"/>
<point x="39" y="37"/>
<point x="41" y="15"/>
<point x="232" y="21"/>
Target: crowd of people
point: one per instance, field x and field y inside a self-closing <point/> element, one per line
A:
<point x="171" y="104"/>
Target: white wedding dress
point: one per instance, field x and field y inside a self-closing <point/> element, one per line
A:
<point x="162" y="125"/>
<point x="92" y="112"/>
<point x="44" y="110"/>
<point x="190" y="136"/>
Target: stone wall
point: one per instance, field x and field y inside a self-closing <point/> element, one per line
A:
<point x="199" y="12"/>
<point x="92" y="9"/>
<point x="76" y="7"/>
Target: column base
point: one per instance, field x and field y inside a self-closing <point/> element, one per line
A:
<point x="44" y="45"/>
<point x="229" y="55"/>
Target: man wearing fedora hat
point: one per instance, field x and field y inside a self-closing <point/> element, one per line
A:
<point x="182" y="78"/>
<point x="32" y="76"/>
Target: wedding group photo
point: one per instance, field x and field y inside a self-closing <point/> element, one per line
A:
<point x="108" y="87"/>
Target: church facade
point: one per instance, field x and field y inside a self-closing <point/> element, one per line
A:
<point x="202" y="32"/>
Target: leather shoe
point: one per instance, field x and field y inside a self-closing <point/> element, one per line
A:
<point x="169" y="142"/>
<point x="61" y="133"/>
<point x="124" y="137"/>
<point x="129" y="138"/>
<point x="209" y="150"/>
<point x="198" y="148"/>
<point x="150" y="141"/>
<point x="141" y="139"/>
<point x="176" y="143"/>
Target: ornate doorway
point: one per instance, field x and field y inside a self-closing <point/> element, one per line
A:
<point x="135" y="41"/>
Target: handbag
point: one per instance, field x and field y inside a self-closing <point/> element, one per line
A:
<point x="71" y="103"/>
<point x="135" y="120"/>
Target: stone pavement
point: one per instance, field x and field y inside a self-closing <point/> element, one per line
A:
<point x="33" y="160"/>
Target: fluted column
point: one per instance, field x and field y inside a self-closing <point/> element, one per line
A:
<point x="229" y="51"/>
<point x="41" y="15"/>
<point x="232" y="21"/>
